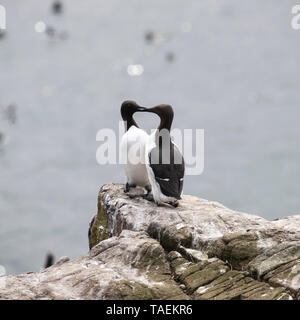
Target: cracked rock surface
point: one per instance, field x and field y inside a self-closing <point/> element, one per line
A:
<point x="199" y="250"/>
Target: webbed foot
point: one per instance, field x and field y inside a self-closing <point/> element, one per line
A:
<point x="173" y="202"/>
<point x="128" y="186"/>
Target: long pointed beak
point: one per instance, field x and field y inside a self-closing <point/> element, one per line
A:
<point x="142" y="109"/>
<point x="150" y="110"/>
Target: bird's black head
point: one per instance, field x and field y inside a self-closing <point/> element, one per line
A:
<point x="129" y="107"/>
<point x="166" y="114"/>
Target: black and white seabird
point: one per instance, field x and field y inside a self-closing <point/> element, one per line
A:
<point x="164" y="161"/>
<point x="132" y="148"/>
<point x="49" y="260"/>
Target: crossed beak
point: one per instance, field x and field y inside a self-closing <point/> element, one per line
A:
<point x="142" y="109"/>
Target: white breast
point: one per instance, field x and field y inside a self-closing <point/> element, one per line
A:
<point x="158" y="196"/>
<point x="132" y="151"/>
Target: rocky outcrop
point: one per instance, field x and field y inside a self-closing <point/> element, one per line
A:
<point x="261" y="254"/>
<point x="199" y="250"/>
<point x="131" y="266"/>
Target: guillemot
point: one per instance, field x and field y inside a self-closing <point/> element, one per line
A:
<point x="132" y="148"/>
<point x="164" y="161"/>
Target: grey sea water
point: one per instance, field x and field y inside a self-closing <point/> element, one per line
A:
<point x="228" y="67"/>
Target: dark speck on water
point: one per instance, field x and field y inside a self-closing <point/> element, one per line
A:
<point x="11" y="113"/>
<point x="56" y="34"/>
<point x="8" y="113"/>
<point x="57" y="7"/>
<point x="50" y="31"/>
<point x="170" y="56"/>
<point x="149" y="36"/>
<point x="1" y="138"/>
<point x="2" y="33"/>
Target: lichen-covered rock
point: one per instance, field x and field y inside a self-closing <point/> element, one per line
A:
<point x="201" y="229"/>
<point x="98" y="228"/>
<point x="196" y="222"/>
<point x="200" y="250"/>
<point x="235" y="285"/>
<point x="131" y="266"/>
<point x="206" y="274"/>
<point x="212" y="279"/>
<point x="275" y="257"/>
<point x="287" y="275"/>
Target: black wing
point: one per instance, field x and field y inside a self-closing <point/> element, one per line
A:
<point x="169" y="176"/>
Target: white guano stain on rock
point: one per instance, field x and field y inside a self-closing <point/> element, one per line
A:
<point x="132" y="263"/>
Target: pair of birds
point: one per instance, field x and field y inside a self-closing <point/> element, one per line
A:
<point x="160" y="164"/>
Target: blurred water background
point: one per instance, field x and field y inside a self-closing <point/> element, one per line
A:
<point x="229" y="67"/>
